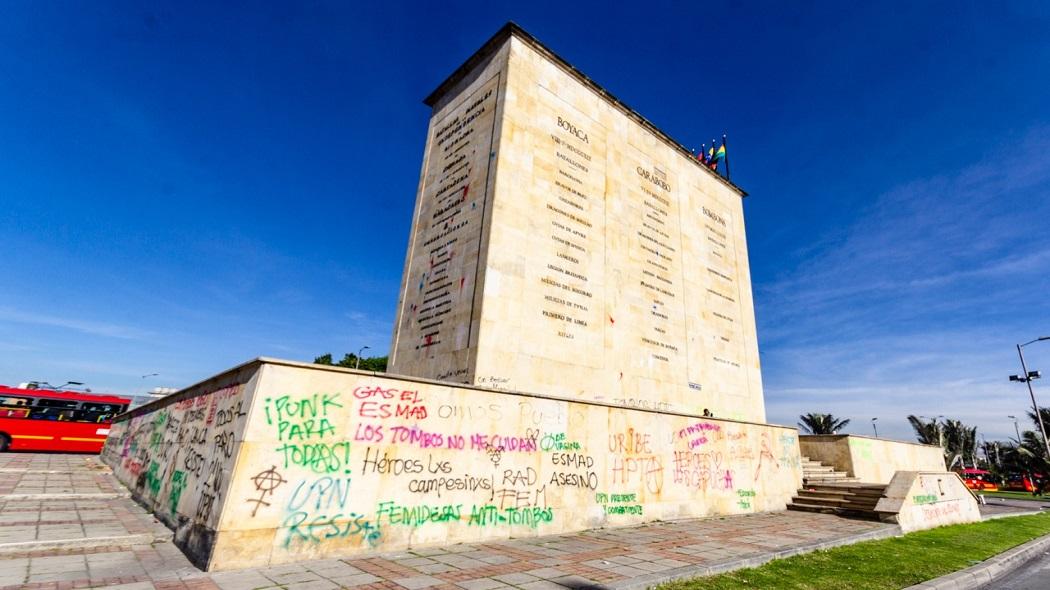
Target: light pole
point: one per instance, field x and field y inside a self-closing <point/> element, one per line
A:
<point x="1016" y="429"/>
<point x="874" y="427"/>
<point x="357" y="363"/>
<point x="1026" y="377"/>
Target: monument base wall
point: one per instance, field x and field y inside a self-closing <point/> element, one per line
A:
<point x="872" y="460"/>
<point x="275" y="462"/>
<point x="925" y="500"/>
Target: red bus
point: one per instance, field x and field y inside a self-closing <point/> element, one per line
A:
<point x="45" y="420"/>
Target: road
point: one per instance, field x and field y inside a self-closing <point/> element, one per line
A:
<point x="1033" y="575"/>
<point x="998" y="505"/>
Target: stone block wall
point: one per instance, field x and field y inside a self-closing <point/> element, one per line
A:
<point x="873" y="460"/>
<point x="925" y="500"/>
<point x="275" y="461"/>
<point x="562" y="244"/>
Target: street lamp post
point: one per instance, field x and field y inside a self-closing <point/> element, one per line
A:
<point x="874" y="427"/>
<point x="357" y="363"/>
<point x="1016" y="429"/>
<point x="1026" y="376"/>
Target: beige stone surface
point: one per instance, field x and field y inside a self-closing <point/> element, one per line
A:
<point x="177" y="455"/>
<point x="328" y="462"/>
<point x="873" y="460"/>
<point x="925" y="500"/>
<point x="562" y="245"/>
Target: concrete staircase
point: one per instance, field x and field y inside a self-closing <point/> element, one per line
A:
<point x="833" y="492"/>
<point x="815" y="472"/>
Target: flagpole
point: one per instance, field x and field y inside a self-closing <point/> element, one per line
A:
<point x="728" y="177"/>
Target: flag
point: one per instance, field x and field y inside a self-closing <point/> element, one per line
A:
<point x="721" y="153"/>
<point x="712" y="163"/>
<point x="701" y="156"/>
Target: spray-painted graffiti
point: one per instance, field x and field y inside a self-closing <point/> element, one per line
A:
<point x="633" y="460"/>
<point x="364" y="466"/>
<point x="745" y="498"/>
<point x="317" y="457"/>
<point x="176" y="458"/>
<point x="619" y="503"/>
<point x="178" y="484"/>
<point x="265" y="483"/>
<point x="861" y="448"/>
<point x="303" y="419"/>
<point x="924" y="499"/>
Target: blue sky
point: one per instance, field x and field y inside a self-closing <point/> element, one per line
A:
<point x="184" y="187"/>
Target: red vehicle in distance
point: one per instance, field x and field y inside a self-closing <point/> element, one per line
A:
<point x="1022" y="482"/>
<point x="978" y="479"/>
<point x="46" y="420"/>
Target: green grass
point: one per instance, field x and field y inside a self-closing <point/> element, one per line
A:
<point x="885" y="564"/>
<point x="1015" y="495"/>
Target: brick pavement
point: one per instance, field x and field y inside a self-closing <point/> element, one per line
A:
<point x="104" y="541"/>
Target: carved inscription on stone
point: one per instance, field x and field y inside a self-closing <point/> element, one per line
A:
<point x="566" y="262"/>
<point x="438" y="299"/>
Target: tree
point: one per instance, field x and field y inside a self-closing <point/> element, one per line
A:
<point x="376" y="363"/>
<point x="957" y="440"/>
<point x="928" y="433"/>
<point x="960" y="443"/>
<point x="821" y="424"/>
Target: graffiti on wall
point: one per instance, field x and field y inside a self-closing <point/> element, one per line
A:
<point x="372" y="465"/>
<point x="178" y="457"/>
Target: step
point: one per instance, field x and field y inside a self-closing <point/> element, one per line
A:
<point x="842" y="501"/>
<point x="863" y="514"/>
<point x="829" y="502"/>
<point x="816" y="469"/>
<point x="856" y="487"/>
<point x="837" y="477"/>
<point x="811" y="508"/>
<point x="859" y="486"/>
<point x="818" y="495"/>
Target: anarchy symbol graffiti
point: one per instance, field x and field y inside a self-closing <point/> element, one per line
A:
<point x="265" y="483"/>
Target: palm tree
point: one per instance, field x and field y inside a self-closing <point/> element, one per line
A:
<point x="958" y="441"/>
<point x="928" y="433"/>
<point x="821" y="424"/>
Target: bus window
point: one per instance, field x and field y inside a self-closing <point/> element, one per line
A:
<point x="14" y="401"/>
<point x="56" y="403"/>
<point x="93" y="407"/>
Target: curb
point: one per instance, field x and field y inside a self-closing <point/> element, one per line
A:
<point x="1011" y="514"/>
<point x="694" y="571"/>
<point x="988" y="570"/>
<point x="87" y="542"/>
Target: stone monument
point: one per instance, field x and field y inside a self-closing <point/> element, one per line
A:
<point x="563" y="244"/>
<point x="575" y="294"/>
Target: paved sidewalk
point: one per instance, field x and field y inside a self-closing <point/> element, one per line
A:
<point x="80" y="531"/>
